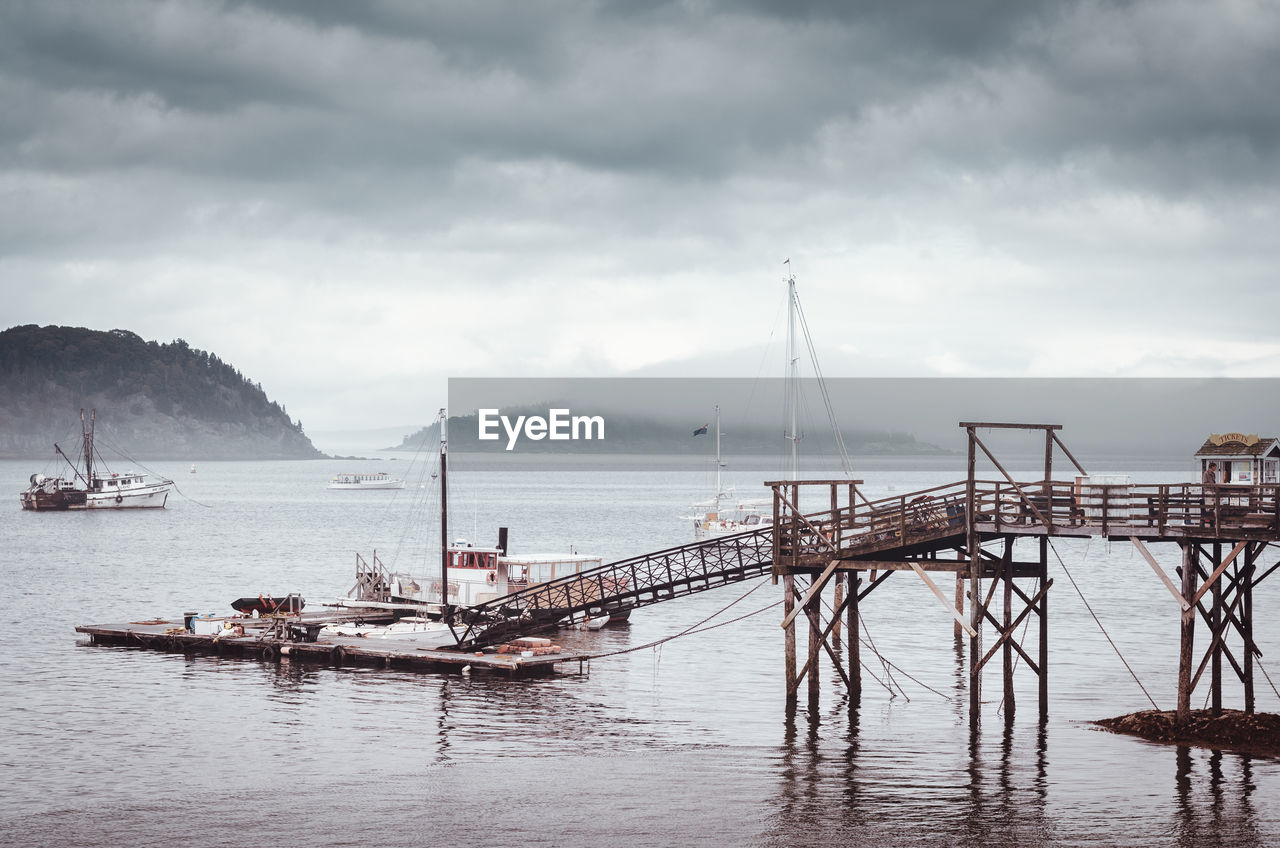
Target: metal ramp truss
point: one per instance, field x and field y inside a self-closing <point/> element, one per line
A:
<point x="617" y="587"/>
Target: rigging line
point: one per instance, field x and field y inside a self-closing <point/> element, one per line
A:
<point x="1017" y="658"/>
<point x="696" y="624"/>
<point x="1258" y="662"/>
<point x="822" y="388"/>
<point x="188" y="497"/>
<point x="870" y="643"/>
<point x="890" y="663"/>
<point x="764" y="356"/>
<point x="658" y="643"/>
<point x="1096" y="620"/>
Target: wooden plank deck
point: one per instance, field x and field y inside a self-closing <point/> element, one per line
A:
<point x="259" y="643"/>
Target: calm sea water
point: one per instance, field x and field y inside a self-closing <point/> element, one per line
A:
<point x="689" y="743"/>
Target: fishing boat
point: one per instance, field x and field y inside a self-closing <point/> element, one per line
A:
<point x="89" y="487"/>
<point x="360" y="482"/>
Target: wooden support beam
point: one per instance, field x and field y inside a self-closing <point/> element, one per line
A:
<point x="1186" y="637"/>
<point x="875" y="581"/>
<point x="1155" y="566"/>
<point x="1217" y="572"/>
<point x="1007" y="666"/>
<point x="815" y="625"/>
<point x="788" y="605"/>
<point x="817" y="587"/>
<point x="945" y="602"/>
<point x="855" y="648"/>
<point x="1044" y="629"/>
<point x="1007" y="633"/>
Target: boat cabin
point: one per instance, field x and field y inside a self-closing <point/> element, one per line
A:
<point x="1242" y="460"/>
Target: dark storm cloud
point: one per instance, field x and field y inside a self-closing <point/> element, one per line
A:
<point x="291" y="89"/>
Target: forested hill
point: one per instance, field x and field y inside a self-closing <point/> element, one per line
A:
<point x="154" y="401"/>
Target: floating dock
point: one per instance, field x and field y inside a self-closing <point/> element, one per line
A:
<point x="268" y="639"/>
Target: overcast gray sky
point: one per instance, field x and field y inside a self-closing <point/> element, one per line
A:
<point x="351" y="202"/>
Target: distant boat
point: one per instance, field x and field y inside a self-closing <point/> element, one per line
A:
<point x="193" y="468"/>
<point x="354" y="482"/>
<point x="89" y="488"/>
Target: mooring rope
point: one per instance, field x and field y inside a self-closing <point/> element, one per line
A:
<point x="697" y="627"/>
<point x="883" y="660"/>
<point x="1258" y="663"/>
<point x="138" y="463"/>
<point x="1116" y="648"/>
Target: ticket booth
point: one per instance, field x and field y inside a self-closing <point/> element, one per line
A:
<point x="1243" y="460"/>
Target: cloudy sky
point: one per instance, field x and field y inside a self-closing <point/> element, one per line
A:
<point x="351" y="202"/>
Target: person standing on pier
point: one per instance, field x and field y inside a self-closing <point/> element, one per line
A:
<point x="1209" y="486"/>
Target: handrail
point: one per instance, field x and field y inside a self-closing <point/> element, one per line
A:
<point x="1056" y="504"/>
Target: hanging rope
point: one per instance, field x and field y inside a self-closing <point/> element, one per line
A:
<point x="697" y="627"/>
<point x="1098" y="621"/>
<point x="883" y="660"/>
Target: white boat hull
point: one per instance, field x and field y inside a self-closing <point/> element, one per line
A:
<point x="352" y="487"/>
<point x="143" y="497"/>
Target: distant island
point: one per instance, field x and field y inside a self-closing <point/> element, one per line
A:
<point x="159" y="401"/>
<point x="630" y="433"/>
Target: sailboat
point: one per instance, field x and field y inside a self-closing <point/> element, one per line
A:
<point x="723" y="515"/>
<point x="90" y="487"/>
<point x="745" y="515"/>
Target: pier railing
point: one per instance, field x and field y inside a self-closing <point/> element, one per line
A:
<point x="618" y="587"/>
<point x="1080" y="507"/>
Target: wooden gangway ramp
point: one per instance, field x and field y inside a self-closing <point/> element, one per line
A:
<point x="619" y="587"/>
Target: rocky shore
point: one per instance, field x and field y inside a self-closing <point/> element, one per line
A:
<point x="1231" y="730"/>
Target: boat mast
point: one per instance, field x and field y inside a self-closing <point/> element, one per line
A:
<point x="88" y="445"/>
<point x="793" y="367"/>
<point x="444" y="519"/>
<point x="719" y="464"/>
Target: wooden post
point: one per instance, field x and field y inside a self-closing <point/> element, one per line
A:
<point x="975" y="590"/>
<point x="788" y="605"/>
<point x="813" y="611"/>
<point x="855" y="647"/>
<point x="836" y="602"/>
<point x="1044" y="629"/>
<point x="1008" y="624"/>
<point x="1215" y="622"/>
<point x="1190" y="562"/>
<point x="958" y="631"/>
<point x="834" y="532"/>
<point x="1245" y="584"/>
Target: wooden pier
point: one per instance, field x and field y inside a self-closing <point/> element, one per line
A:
<point x="967" y="531"/>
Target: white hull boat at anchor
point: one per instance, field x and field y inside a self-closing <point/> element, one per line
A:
<point x="422" y="631"/>
<point x="126" y="491"/>
<point x="365" y="482"/>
